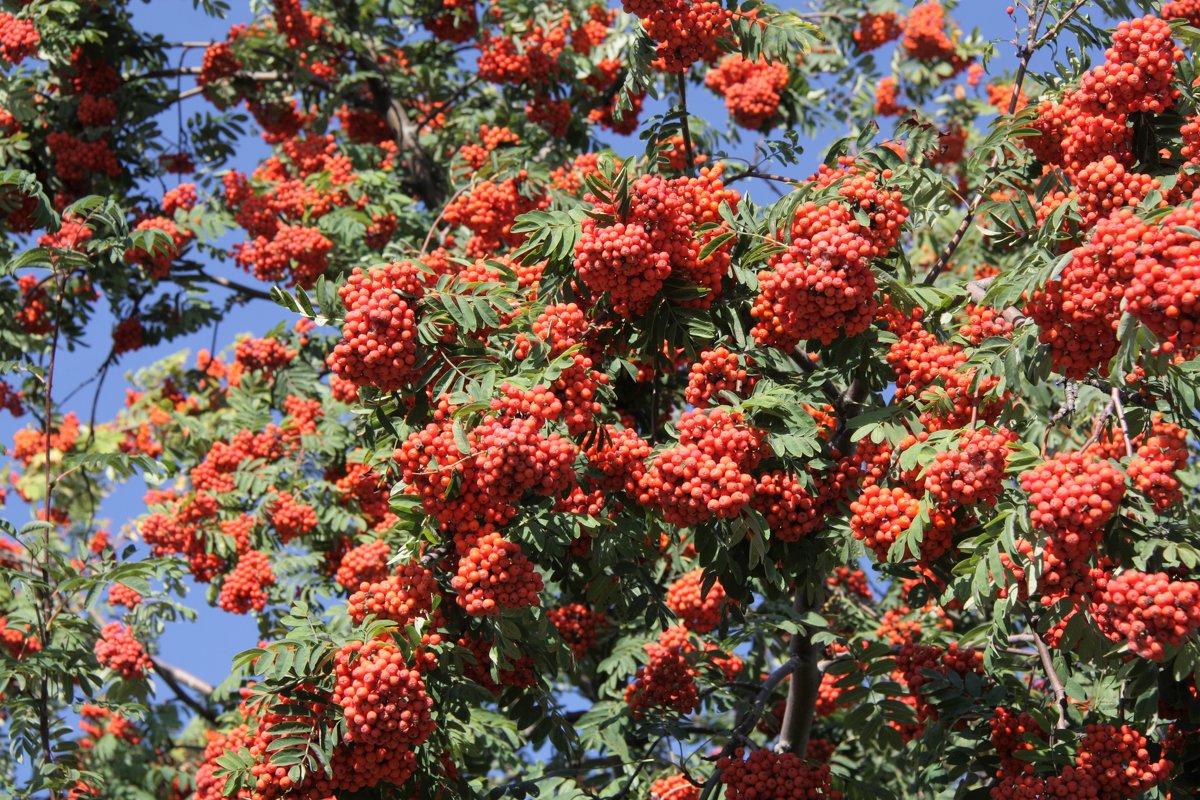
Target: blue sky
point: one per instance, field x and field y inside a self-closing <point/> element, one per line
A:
<point x="206" y="647"/>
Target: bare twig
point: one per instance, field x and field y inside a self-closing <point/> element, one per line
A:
<point x="175" y="678"/>
<point x="234" y="286"/>
<point x="1056" y="684"/>
<point x="685" y="129"/>
<point x="1119" y="407"/>
<point x="1024" y="55"/>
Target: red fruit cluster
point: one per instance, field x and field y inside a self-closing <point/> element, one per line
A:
<point x="533" y="59"/>
<point x="915" y="661"/>
<point x="1111" y="763"/>
<point x="16" y="641"/>
<point x="401" y="597"/>
<point x="686" y="31"/>
<point x="792" y="510"/>
<point x="752" y="89"/>
<point x="1183" y="9"/>
<point x="18" y="38"/>
<point x="667" y="681"/>
<point x="706" y="475"/>
<point x="454" y="22"/>
<point x="554" y="116"/>
<point x="887" y="98"/>
<point x="76" y="160"/>
<point x="619" y="456"/>
<point x="182" y="198"/>
<point x="883" y="514"/>
<point x="493" y="574"/>
<point x="128" y="336"/>
<point x="157" y="262"/>
<point x="925" y="36"/>
<point x="472" y="481"/>
<point x="119" y="651"/>
<point x="577" y="625"/>
<point x="631" y="255"/>
<point x="475" y="154"/>
<point x="1161" y="453"/>
<point x="700" y="611"/>
<point x="379" y="336"/>
<point x="1138" y="69"/>
<point x="1010" y="735"/>
<point x="876" y="30"/>
<point x="382" y="698"/>
<point x="366" y="563"/>
<point x="973" y="472"/>
<point x="1162" y="290"/>
<point x="1151" y="612"/>
<point x="763" y="773"/>
<point x="219" y="63"/>
<point x="674" y="787"/>
<point x="292" y="519"/>
<point x="718" y="370"/>
<point x="1071" y="497"/>
<point x="121" y="595"/>
<point x="297" y="253"/>
<point x="262" y="355"/>
<point x="244" y="588"/>
<point x="516" y="672"/>
<point x="488" y="211"/>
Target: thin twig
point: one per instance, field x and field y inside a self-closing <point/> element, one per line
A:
<point x="685" y="129"/>
<point x="1024" y="54"/>
<point x="1056" y="684"/>
<point x="170" y="677"/>
<point x="1119" y="407"/>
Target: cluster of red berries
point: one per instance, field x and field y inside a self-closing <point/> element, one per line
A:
<point x="16" y="641"/>
<point x="619" y="456"/>
<point x="1111" y="763"/>
<point x="244" y="587"/>
<point x="297" y="253"/>
<point x="674" y="787"/>
<point x="699" y="611"/>
<point x="876" y="30"/>
<point x="262" y="355"/>
<point x="157" y="261"/>
<point x="97" y="721"/>
<point x="718" y="370"/>
<point x="366" y="563"/>
<point x="887" y="98"/>
<point x="292" y="519"/>
<point x="915" y="662"/>
<point x="402" y="596"/>
<point x="488" y="211"/>
<point x="925" y="36"/>
<point x="1183" y="9"/>
<point x="1152" y="612"/>
<point x="121" y="595"/>
<point x="379" y="336"/>
<point x="506" y="457"/>
<point x="552" y="115"/>
<point x="534" y="59"/>
<point x="630" y="254"/>
<point x="18" y="38"/>
<point x="686" y="31"/>
<point x="706" y="475"/>
<point x="667" y="681"/>
<point x="493" y="574"/>
<point x="118" y="650"/>
<point x="973" y="472"/>
<point x="128" y="335"/>
<point x="752" y="89"/>
<point x="1138" y="69"/>
<point x="454" y="22"/>
<point x="577" y="625"/>
<point x="76" y="160"/>
<point x="382" y="698"/>
<point x="881" y="515"/>
<point x="1071" y="497"/>
<point x="763" y="773"/>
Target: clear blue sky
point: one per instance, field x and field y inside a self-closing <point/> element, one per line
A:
<point x="206" y="647"/>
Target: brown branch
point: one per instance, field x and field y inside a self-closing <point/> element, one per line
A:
<point x="1119" y="407"/>
<point x="801" y="705"/>
<point x="176" y="678"/>
<point x="1024" y="55"/>
<point x="753" y="173"/>
<point x="685" y="129"/>
<point x="234" y="286"/>
<point x="1056" y="684"/>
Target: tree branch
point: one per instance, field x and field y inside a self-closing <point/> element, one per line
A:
<point x="685" y="129"/>
<point x="173" y="677"/>
<point x="801" y="705"/>
<point x="1119" y="407"/>
<point x="1024" y="55"/>
<point x="1056" y="684"/>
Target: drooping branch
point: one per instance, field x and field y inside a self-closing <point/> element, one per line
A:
<point x="176" y="679"/>
<point x="1052" y="677"/>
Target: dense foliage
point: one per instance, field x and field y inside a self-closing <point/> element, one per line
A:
<point x="651" y="471"/>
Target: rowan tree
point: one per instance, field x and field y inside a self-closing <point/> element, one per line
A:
<point x="597" y="459"/>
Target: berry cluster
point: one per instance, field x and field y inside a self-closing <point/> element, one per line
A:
<point x="18" y="38"/>
<point x="876" y="30"/>
<point x="882" y="515"/>
<point x="119" y="651"/>
<point x="577" y="625"/>
<point x="379" y="336"/>
<point x="401" y="597"/>
<point x="915" y="662"/>
<point x="752" y="89"/>
<point x="674" y="787"/>
<point x="700" y="611"/>
<point x="973" y="472"/>
<point x="121" y="595"/>
<point x="686" y="31"/>
<point x="366" y="563"/>
<point x="382" y="698"/>
<point x="493" y="574"/>
<point x="763" y="773"/>
<point x="667" y="681"/>
<point x="244" y="588"/>
<point x="1151" y="612"/>
<point x="631" y="253"/>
